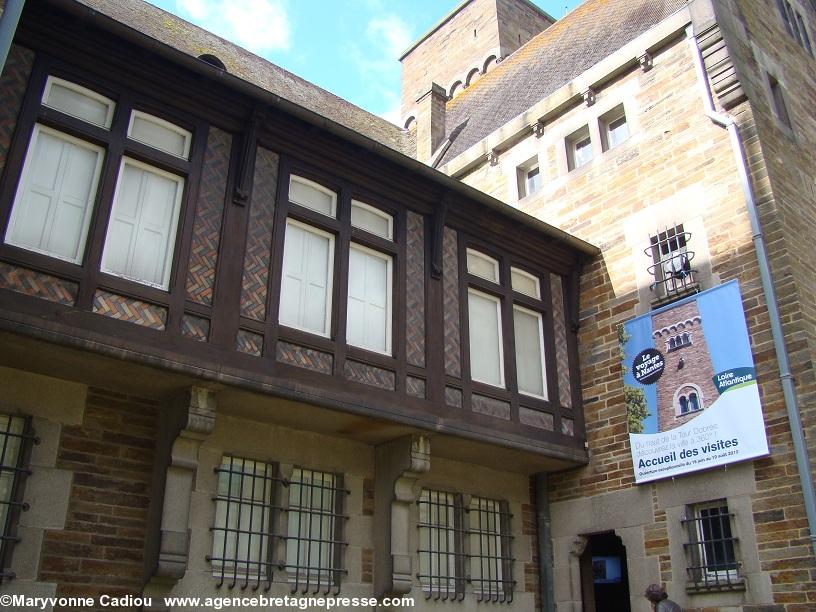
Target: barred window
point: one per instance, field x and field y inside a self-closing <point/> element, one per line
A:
<point x="710" y="552"/>
<point x="490" y="560"/>
<point x="440" y="544"/>
<point x="243" y="521"/>
<point x="15" y="435"/>
<point x="256" y="531"/>
<point x="313" y="544"/>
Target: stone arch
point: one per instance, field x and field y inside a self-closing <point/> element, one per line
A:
<point x="688" y="399"/>
<point x="472" y="76"/>
<point x="212" y="60"/>
<point x="454" y="89"/>
<point x="489" y="63"/>
<point x="410" y="123"/>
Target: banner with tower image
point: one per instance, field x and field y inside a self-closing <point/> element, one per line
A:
<point x="691" y="393"/>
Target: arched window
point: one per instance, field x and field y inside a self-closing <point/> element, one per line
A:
<point x="683" y="405"/>
<point x="686" y="340"/>
<point x="672" y="344"/>
<point x="687" y="399"/>
<point x="692" y="402"/>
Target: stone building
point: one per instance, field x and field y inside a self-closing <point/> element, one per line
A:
<point x="679" y="137"/>
<point x="687" y="384"/>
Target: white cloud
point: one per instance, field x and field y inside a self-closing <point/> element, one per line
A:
<point x="261" y="26"/>
<point x="392" y="32"/>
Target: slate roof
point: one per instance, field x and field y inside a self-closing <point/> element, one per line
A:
<point x="194" y="41"/>
<point x="591" y="32"/>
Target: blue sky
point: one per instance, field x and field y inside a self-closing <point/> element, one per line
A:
<point x="350" y="47"/>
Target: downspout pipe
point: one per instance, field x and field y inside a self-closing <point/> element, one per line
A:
<point x="8" y="26"/>
<point x="785" y="375"/>
<point x="546" y="577"/>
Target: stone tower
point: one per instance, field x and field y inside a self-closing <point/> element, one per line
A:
<point x="465" y="44"/>
<point x="686" y="386"/>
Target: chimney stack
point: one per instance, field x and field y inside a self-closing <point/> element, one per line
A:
<point x="430" y="122"/>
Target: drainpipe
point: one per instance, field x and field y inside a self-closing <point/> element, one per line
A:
<point x="545" y="553"/>
<point x="785" y="375"/>
<point x="8" y="25"/>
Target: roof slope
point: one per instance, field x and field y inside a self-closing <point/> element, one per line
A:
<point x="594" y="30"/>
<point x="194" y="41"/>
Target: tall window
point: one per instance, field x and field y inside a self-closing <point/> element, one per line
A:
<point x="313" y="549"/>
<point x="794" y="24"/>
<point x="440" y="544"/>
<point x="251" y="529"/>
<point x="15" y="438"/>
<point x="778" y="99"/>
<point x="579" y="148"/>
<point x="672" y="267"/>
<point x="490" y="560"/>
<point x="710" y="551"/>
<point x="487" y="302"/>
<point x="529" y="178"/>
<point x="62" y="177"/>
<point x="243" y="515"/>
<point x="614" y="128"/>
<point x="366" y="242"/>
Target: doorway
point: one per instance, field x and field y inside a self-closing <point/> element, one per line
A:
<point x="604" y="574"/>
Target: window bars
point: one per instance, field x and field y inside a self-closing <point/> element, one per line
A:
<point x="16" y="436"/>
<point x="443" y="536"/>
<point x="490" y="561"/>
<point x="250" y="510"/>
<point x="441" y="561"/>
<point x="710" y="551"/>
<point x="672" y="271"/>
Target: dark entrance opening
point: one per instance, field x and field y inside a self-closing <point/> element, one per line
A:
<point x="604" y="574"/>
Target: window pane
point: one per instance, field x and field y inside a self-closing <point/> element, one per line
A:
<point x="371" y="220"/>
<point x="525" y="283"/>
<point x="78" y="102"/>
<point x="479" y="264"/>
<point x="486" y="563"/>
<point x="583" y="152"/>
<point x="618" y="131"/>
<point x="142" y="228"/>
<point x="368" y="323"/>
<point x="11" y="432"/>
<point x="159" y="134"/>
<point x="51" y="211"/>
<point x="533" y="180"/>
<point x="311" y="195"/>
<point x="307" y="279"/>
<point x="486" y="362"/>
<point x="528" y="332"/>
<point x="311" y="524"/>
<point x="437" y="541"/>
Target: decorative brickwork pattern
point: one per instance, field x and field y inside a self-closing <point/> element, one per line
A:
<point x="415" y="387"/>
<point x="12" y="88"/>
<point x="561" y="350"/>
<point x="130" y="310"/>
<point x="415" y="291"/>
<point x="490" y="406"/>
<point x="101" y="548"/>
<point x="370" y="375"/>
<point x="450" y="289"/>
<point x="536" y="418"/>
<point x="23" y="280"/>
<point x="453" y="397"/>
<point x="197" y="328"/>
<point x="259" y="236"/>
<point x="303" y="357"/>
<point x="209" y="215"/>
<point x="249" y="342"/>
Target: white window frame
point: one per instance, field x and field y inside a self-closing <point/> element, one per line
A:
<point x="388" y="299"/>
<point x="542" y="352"/>
<point x="375" y="211"/>
<point x="310" y="183"/>
<point x="479" y="255"/>
<point x="24" y="177"/>
<point x="173" y="232"/>
<point x="503" y="382"/>
<point x="329" y="277"/>
<point x="52" y="80"/>
<point x="187" y="135"/>
<point x="532" y="277"/>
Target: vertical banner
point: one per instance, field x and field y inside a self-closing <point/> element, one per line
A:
<point x="690" y="386"/>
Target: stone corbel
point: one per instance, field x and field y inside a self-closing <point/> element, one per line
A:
<point x="538" y="129"/>
<point x="590" y="96"/>
<point x="406" y="493"/>
<point x="646" y="61"/>
<point x="493" y="157"/>
<point x="198" y="422"/>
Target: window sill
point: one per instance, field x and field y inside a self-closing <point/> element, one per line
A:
<point x="675" y="296"/>
<point x="737" y="585"/>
